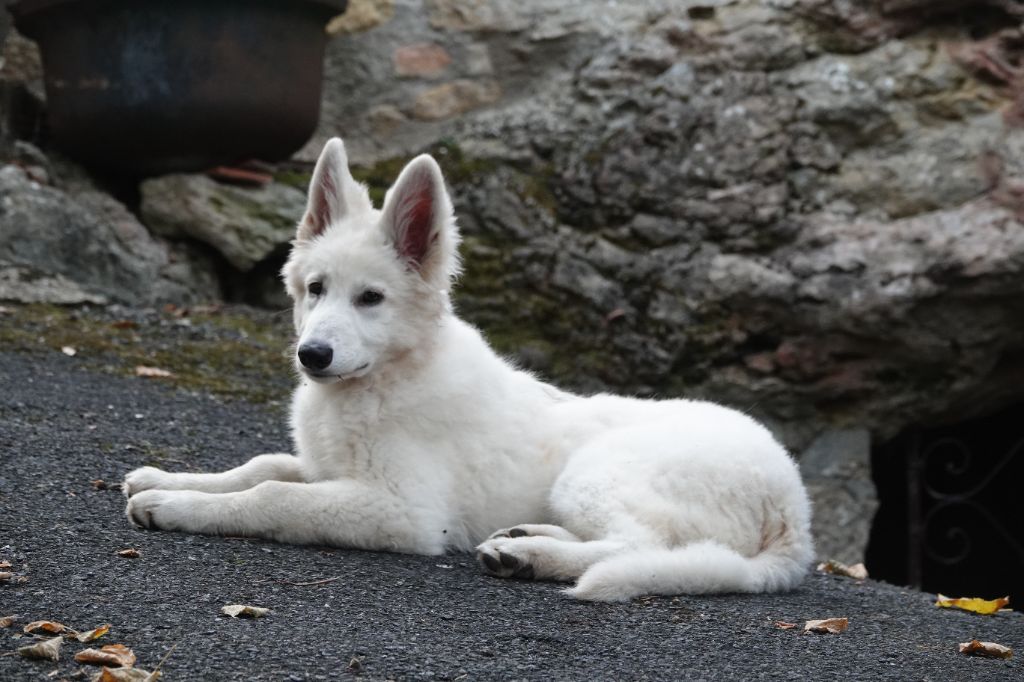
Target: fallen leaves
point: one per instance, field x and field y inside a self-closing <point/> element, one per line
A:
<point x="114" y="655"/>
<point x="130" y="553"/>
<point x="783" y="625"/>
<point x="91" y="634"/>
<point x="856" y="571"/>
<point x="985" y="649"/>
<point x="126" y="675"/>
<point x="152" y="372"/>
<point x="50" y="626"/>
<point x="6" y="575"/>
<point x="832" y="626"/>
<point x="983" y="606"/>
<point x="117" y="659"/>
<point x="241" y="610"/>
<point x="46" y="650"/>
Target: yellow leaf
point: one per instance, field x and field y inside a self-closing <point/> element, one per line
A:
<point x="983" y="606"/>
<point x="92" y="634"/>
<point x="115" y="655"/>
<point x="236" y="610"/>
<point x="987" y="649"/>
<point x="830" y="625"/>
<point x="857" y="571"/>
<point x="47" y="650"/>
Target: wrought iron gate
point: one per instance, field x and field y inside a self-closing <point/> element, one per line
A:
<point x="963" y="508"/>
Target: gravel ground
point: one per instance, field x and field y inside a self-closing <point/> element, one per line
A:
<point x="375" y="616"/>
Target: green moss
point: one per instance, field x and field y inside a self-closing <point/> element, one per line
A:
<point x="230" y="354"/>
<point x="294" y="178"/>
<point x="537" y="188"/>
<point x="458" y="168"/>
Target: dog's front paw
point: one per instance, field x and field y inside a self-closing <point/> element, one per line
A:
<point x="145" y="478"/>
<point x="160" y="509"/>
<point x="499" y="557"/>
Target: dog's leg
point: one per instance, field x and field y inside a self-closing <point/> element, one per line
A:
<point x="535" y="529"/>
<point x="543" y="558"/>
<point x="256" y="470"/>
<point x="343" y="513"/>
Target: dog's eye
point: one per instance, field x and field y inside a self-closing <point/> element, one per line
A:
<point x="315" y="288"/>
<point x="369" y="298"/>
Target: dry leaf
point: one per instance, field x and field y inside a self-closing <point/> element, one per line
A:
<point x="983" y="606"/>
<point x="857" y="571"/>
<point x="91" y="634"/>
<point x="236" y="610"/>
<point x="129" y="553"/>
<point x="47" y="650"/>
<point x="126" y="675"/>
<point x="6" y="621"/>
<point x="987" y="649"/>
<point x="153" y="372"/>
<point x="69" y="351"/>
<point x="114" y="655"/>
<point x="828" y="625"/>
<point x="51" y="626"/>
<point x="5" y="564"/>
<point x="783" y="625"/>
<point x="6" y="575"/>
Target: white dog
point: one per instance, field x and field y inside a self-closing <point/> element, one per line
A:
<point x="414" y="436"/>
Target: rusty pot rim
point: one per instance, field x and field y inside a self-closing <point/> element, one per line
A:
<point x="24" y="8"/>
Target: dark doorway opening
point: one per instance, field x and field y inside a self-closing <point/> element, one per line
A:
<point x="951" y="512"/>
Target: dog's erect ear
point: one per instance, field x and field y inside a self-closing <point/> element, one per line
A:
<point x="418" y="221"/>
<point x="333" y="192"/>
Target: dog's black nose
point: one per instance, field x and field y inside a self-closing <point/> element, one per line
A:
<point x="315" y="355"/>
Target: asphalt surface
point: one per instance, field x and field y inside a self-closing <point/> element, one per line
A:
<point x="378" y="616"/>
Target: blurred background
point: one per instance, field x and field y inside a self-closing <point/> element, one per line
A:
<point x="811" y="210"/>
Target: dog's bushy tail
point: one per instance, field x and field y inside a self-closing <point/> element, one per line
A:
<point x="698" y="568"/>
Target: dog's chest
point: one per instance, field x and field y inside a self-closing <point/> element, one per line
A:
<point x="362" y="439"/>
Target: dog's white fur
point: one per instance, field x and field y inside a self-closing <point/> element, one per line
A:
<point x="418" y="437"/>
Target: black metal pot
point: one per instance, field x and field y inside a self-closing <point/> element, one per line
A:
<point x="154" y="86"/>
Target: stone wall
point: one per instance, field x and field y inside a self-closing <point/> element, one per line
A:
<point x="808" y="209"/>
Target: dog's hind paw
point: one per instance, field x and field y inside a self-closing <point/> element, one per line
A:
<point x="514" y="532"/>
<point x="535" y="529"/>
<point x="502" y="564"/>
